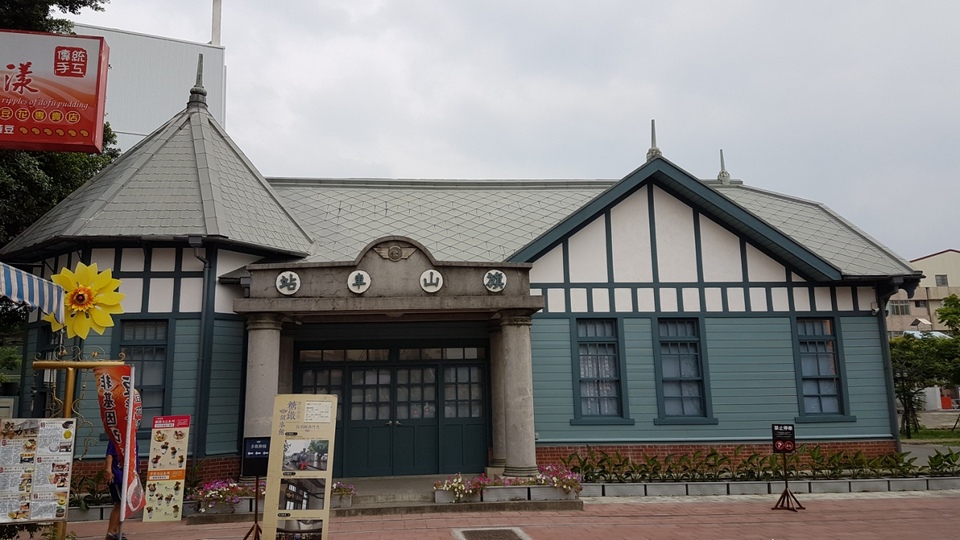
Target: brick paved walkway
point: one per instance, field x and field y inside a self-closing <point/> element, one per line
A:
<point x="867" y="515"/>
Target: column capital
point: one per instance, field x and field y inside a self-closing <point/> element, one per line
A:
<point x="515" y="317"/>
<point x="264" y="321"/>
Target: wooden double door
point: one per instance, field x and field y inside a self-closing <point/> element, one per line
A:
<point x="404" y="411"/>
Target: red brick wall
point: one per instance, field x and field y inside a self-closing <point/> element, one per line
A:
<point x="555" y="454"/>
<point x="210" y="468"/>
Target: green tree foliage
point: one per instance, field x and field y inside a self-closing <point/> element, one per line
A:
<point x="949" y="314"/>
<point x="37" y="15"/>
<point x="918" y="363"/>
<point x="31" y="183"/>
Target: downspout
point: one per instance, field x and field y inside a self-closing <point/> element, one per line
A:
<point x="200" y="442"/>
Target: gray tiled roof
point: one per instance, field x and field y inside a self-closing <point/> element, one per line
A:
<point x="490" y="220"/>
<point x="821" y="231"/>
<point x="186" y="178"/>
<point x="456" y="220"/>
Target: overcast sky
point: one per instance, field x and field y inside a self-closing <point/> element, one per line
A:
<point x="850" y="103"/>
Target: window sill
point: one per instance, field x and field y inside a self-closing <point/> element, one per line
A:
<point x="824" y="418"/>
<point x="688" y="421"/>
<point x="602" y="421"/>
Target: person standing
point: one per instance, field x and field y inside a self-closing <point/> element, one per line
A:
<point x="114" y="473"/>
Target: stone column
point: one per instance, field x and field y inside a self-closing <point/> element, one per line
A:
<point x="499" y="458"/>
<point x="518" y="394"/>
<point x="263" y="360"/>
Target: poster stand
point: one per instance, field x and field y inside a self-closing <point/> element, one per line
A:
<point x="788" y="501"/>
<point x="255" y="530"/>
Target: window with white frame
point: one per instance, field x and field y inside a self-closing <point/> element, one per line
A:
<point x="899" y="307"/>
<point x="599" y="360"/>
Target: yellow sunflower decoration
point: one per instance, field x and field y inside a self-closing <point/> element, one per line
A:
<point x="90" y="301"/>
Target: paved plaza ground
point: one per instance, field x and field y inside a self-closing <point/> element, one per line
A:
<point x="903" y="515"/>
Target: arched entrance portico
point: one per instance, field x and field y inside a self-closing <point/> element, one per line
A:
<point x="420" y="352"/>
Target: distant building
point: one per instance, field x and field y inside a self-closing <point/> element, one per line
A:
<point x="941" y="279"/>
<point x="147" y="76"/>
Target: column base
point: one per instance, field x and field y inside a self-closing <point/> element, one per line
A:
<point x="525" y="472"/>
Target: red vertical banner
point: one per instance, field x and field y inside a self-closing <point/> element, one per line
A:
<point x="114" y="388"/>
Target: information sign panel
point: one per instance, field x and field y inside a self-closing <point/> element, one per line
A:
<point x="299" y="469"/>
<point x="167" y="468"/>
<point x="36" y="455"/>
<point x="783" y="439"/>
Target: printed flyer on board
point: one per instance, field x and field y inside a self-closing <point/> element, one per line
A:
<point x="167" y="468"/>
<point x="36" y="455"/>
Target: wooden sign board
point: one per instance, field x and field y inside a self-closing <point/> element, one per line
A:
<point x="299" y="475"/>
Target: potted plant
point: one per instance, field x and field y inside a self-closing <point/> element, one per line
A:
<point x="341" y="495"/>
<point x="219" y="496"/>
<point x="455" y="489"/>
<point x="89" y="495"/>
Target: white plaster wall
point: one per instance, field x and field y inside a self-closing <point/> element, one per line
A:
<point x="801" y="299"/>
<point x="758" y="299"/>
<point x="713" y="296"/>
<point x="866" y="297"/>
<point x="691" y="299"/>
<point x="601" y="301"/>
<point x="549" y="268"/>
<point x="228" y="261"/>
<point x="944" y="264"/>
<point x="630" y="239"/>
<point x="133" y="289"/>
<point x="163" y="260"/>
<point x="668" y="300"/>
<point x="191" y="295"/>
<point x="763" y="268"/>
<point x="190" y="262"/>
<point x="780" y="297"/>
<point x="103" y="257"/>
<point x="736" y="300"/>
<point x="822" y="296"/>
<point x="556" y="302"/>
<point x="588" y="254"/>
<point x="676" y="244"/>
<point x="623" y="300"/>
<point x="720" y="253"/>
<point x="645" y="300"/>
<point x="578" y="300"/>
<point x="131" y="260"/>
<point x="845" y="299"/>
<point x="161" y="295"/>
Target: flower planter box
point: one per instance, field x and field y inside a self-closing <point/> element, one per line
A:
<point x="829" y="486"/>
<point x="592" y="490"/>
<point x="550" y="493"/>
<point x="943" y="483"/>
<point x="666" y="489"/>
<point x="505" y="493"/>
<point x="908" y="484"/>
<point x="749" y="488"/>
<point x="443" y="496"/>
<point x="866" y="485"/>
<point x="624" y="490"/>
<point x="706" y="488"/>
<point x="92" y="513"/>
<point x="341" y="501"/>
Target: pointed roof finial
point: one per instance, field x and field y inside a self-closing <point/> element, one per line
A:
<point x="653" y="152"/>
<point x="724" y="176"/>
<point x="198" y="93"/>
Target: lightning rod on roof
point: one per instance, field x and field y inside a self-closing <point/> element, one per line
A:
<point x="198" y="92"/>
<point x="653" y="152"/>
<point x="723" y="176"/>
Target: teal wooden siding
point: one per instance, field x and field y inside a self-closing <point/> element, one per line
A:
<point x="226" y="388"/>
<point x="753" y="383"/>
<point x="182" y="395"/>
<point x="552" y="377"/>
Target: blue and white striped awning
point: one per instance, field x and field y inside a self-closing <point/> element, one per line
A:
<point x="25" y="288"/>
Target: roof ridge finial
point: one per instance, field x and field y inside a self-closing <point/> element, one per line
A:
<point x="653" y="152"/>
<point x="198" y="93"/>
<point x="724" y="176"/>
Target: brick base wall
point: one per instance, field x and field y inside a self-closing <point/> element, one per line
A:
<point x="210" y="468"/>
<point x="636" y="452"/>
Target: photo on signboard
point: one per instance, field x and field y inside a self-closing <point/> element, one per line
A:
<point x="302" y="493"/>
<point x="300" y="529"/>
<point x="305" y="454"/>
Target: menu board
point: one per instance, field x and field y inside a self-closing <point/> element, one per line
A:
<point x="166" y="468"/>
<point x="36" y="455"/>
<point x="299" y="469"/>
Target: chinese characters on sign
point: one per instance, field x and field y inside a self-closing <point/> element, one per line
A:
<point x="167" y="468"/>
<point x="52" y="91"/>
<point x="36" y="455"/>
<point x="783" y="439"/>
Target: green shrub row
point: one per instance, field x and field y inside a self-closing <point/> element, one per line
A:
<point x="808" y="462"/>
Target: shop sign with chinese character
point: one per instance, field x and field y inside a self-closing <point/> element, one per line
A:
<point x="52" y="91"/>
